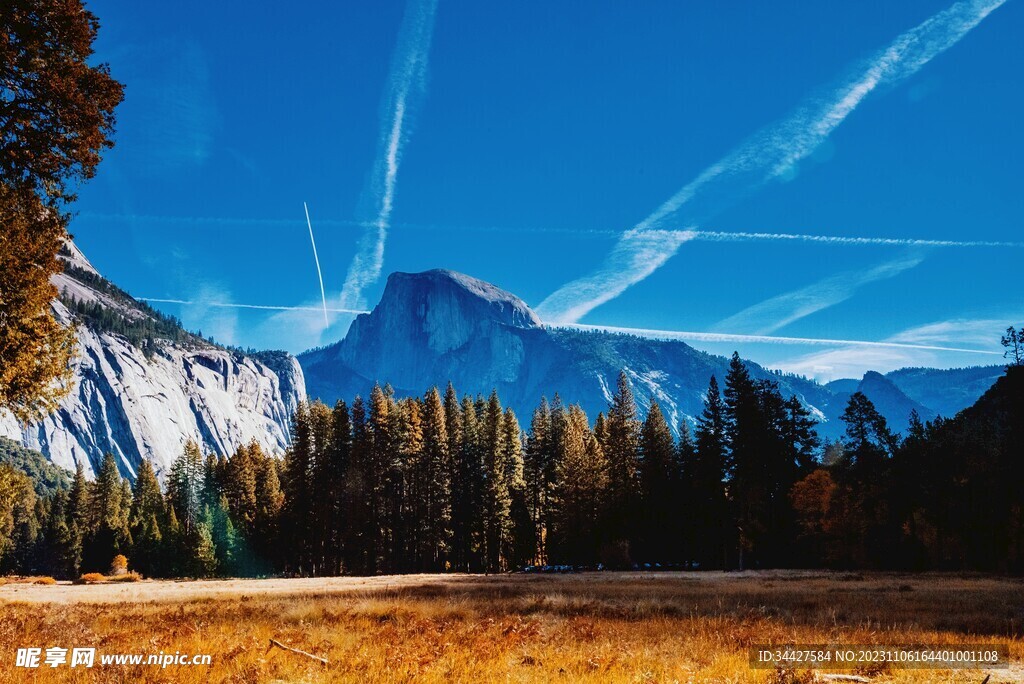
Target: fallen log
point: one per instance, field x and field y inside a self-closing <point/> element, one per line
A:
<point x="275" y="642"/>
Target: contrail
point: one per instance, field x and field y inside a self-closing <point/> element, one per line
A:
<point x="720" y="236"/>
<point x="319" y="275"/>
<point x="762" y="339"/>
<point x="777" y="312"/>
<point x="639" y="332"/>
<point x="266" y="307"/>
<point x="406" y="87"/>
<point x="773" y="153"/>
<point x="698" y="235"/>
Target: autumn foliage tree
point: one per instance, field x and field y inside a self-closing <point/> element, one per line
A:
<point x="34" y="347"/>
<point x="56" y="117"/>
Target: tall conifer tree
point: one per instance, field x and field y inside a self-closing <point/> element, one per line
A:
<point x="622" y="453"/>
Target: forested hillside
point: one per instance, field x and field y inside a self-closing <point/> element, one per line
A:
<point x="443" y="483"/>
<point x="46" y="477"/>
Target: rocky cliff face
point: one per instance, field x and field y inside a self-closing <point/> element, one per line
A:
<point x="427" y="321"/>
<point x="429" y="327"/>
<point x="144" y="400"/>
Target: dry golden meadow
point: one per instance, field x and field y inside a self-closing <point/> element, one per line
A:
<point x="625" y="627"/>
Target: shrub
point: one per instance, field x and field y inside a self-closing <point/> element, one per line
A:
<point x="127" y="577"/>
<point x="16" y="579"/>
<point x="91" y="578"/>
<point x="119" y="565"/>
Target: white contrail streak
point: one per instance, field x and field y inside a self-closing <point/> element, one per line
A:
<point x="698" y="235"/>
<point x="319" y="274"/>
<point x="764" y="339"/>
<point x="770" y="154"/>
<point x="406" y="87"/>
<point x="720" y="236"/>
<point x="264" y="307"/>
<point x="777" y="312"/>
<point x="639" y="332"/>
<point x="637" y="255"/>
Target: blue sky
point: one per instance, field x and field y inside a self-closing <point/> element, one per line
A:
<point x="533" y="135"/>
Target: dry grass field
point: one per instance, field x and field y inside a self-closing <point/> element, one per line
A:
<point x="610" y="627"/>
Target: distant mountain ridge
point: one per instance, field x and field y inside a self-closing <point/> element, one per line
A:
<point x="946" y="391"/>
<point x="887" y="397"/>
<point x="143" y="385"/>
<point x="439" y="325"/>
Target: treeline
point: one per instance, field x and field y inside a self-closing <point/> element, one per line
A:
<point x="142" y="330"/>
<point x="443" y="483"/>
<point x="190" y="530"/>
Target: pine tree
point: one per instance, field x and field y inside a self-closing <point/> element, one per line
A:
<point x="455" y="556"/>
<point x="108" y="525"/>
<point x="240" y="487"/>
<point x="707" y="480"/>
<point x="228" y="549"/>
<point x="202" y="552"/>
<point x="335" y="473"/>
<point x="601" y="430"/>
<point x="1013" y="346"/>
<point x="622" y="453"/>
<point x="19" y="525"/>
<point x="147" y="509"/>
<point x="537" y="473"/>
<point x="685" y="508"/>
<point x="57" y="554"/>
<point x="578" y="496"/>
<point x="406" y="488"/>
<point x="296" y="516"/>
<point x="77" y="519"/>
<point x="467" y="486"/>
<point x="105" y="496"/>
<point x="175" y="554"/>
<point x="497" y="498"/>
<point x="376" y="474"/>
<point x="744" y="430"/>
<point x="554" y="447"/>
<point x="357" y="511"/>
<point x="660" y="481"/>
<point x="185" y="487"/>
<point x="864" y="476"/>
<point x="867" y="434"/>
<point x="125" y="513"/>
<point x="213" y="485"/>
<point x="269" y="502"/>
<point x="519" y="543"/>
<point x="319" y="490"/>
<point x="435" y="533"/>
<point x="800" y="435"/>
<point x="779" y="471"/>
